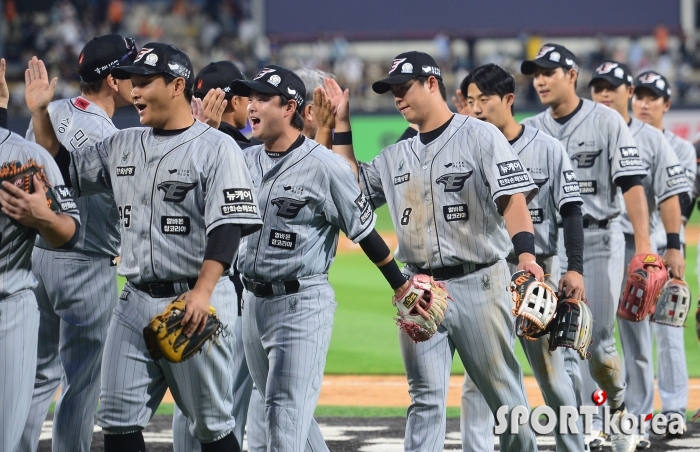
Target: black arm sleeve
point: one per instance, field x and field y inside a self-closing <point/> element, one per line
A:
<point x="375" y="248"/>
<point x="222" y="243"/>
<point x="63" y="162"/>
<point x="73" y="240"/>
<point x="572" y="219"/>
<point x="627" y="182"/>
<point x="686" y="205"/>
<point x="3" y="117"/>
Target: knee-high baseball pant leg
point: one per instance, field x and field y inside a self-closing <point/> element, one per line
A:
<point x="19" y="324"/>
<point x="286" y="339"/>
<point x="479" y="326"/>
<point x="133" y="384"/>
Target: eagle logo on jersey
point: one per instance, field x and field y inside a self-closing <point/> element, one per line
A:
<point x="453" y="182"/>
<point x="586" y="159"/>
<point x="175" y="191"/>
<point x="288" y="207"/>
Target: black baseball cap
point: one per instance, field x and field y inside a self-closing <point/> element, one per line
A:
<point x="217" y="75"/>
<point x="158" y="58"/>
<point x="103" y="53"/>
<point x="550" y="56"/>
<point x="273" y="79"/>
<point x="614" y="73"/>
<point x="654" y="82"/>
<point x="405" y="67"/>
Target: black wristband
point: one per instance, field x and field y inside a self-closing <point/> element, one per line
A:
<point x="524" y="242"/>
<point x="393" y="275"/>
<point x="342" y="138"/>
<point x="673" y="241"/>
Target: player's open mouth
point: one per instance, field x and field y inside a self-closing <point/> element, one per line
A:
<point x="254" y="121"/>
<point x="543" y="92"/>
<point x="139" y="107"/>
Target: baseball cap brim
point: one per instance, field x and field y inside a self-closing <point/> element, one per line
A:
<point x="614" y="81"/>
<point x="384" y="85"/>
<point x="528" y="67"/>
<point x="656" y="92"/>
<point x="244" y="87"/>
<point x="124" y="72"/>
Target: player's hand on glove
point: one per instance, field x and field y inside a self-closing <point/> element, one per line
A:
<point x="196" y="312"/>
<point x="340" y="100"/>
<point x="29" y="209"/>
<point x="571" y="285"/>
<point x="39" y="90"/>
<point x="4" y="90"/>
<point x="675" y="264"/>
<point x="323" y="109"/>
<point x="461" y="103"/>
<point x="527" y="262"/>
<point x="214" y="104"/>
<point x="421" y="304"/>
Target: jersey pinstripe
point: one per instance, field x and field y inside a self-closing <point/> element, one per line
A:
<point x="665" y="175"/>
<point x="601" y="149"/>
<point x="305" y="198"/>
<point x="16" y="240"/>
<point x="79" y="123"/>
<point x="686" y="155"/>
<point x="171" y="191"/>
<point x="442" y="195"/>
<point x="550" y="168"/>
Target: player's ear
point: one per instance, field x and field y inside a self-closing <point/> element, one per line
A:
<point x="667" y="105"/>
<point x="112" y="83"/>
<point x="179" y="86"/>
<point x="308" y="112"/>
<point x="509" y="99"/>
<point x="630" y="92"/>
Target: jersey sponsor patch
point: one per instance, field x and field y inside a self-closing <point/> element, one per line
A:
<point x="282" y="239"/>
<point x="626" y="163"/>
<point x="365" y="210"/>
<point x="588" y="187"/>
<point x="398" y="180"/>
<point x="510" y="167"/>
<point x="513" y="180"/>
<point x="288" y="207"/>
<point x="457" y="212"/>
<point x="453" y="182"/>
<point x="239" y="208"/>
<point x="126" y="171"/>
<point x="572" y="188"/>
<point x="238" y="196"/>
<point x="175" y="191"/>
<point x="569" y="176"/>
<point x="674" y="170"/>
<point x="585" y="159"/>
<point x="537" y="216"/>
<point x="676" y="181"/>
<point x="175" y="225"/>
<point x="629" y="151"/>
<point x="124" y="295"/>
<point x="68" y="205"/>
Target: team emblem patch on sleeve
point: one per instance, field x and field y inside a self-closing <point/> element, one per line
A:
<point x="569" y="176"/>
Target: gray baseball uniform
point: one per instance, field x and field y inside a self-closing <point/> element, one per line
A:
<point x="549" y="166"/>
<point x="441" y="197"/>
<point x="666" y="179"/>
<point x="171" y="191"/>
<point x="602" y="149"/>
<point x="306" y="196"/>
<point x="74" y="314"/>
<point x="19" y="316"/>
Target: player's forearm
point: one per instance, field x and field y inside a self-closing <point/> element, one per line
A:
<point x="44" y="134"/>
<point x="324" y="137"/>
<point x="516" y="214"/>
<point x="342" y="145"/>
<point x="670" y="210"/>
<point x="378" y="252"/>
<point x="57" y="229"/>
<point x="638" y="213"/>
<point x="209" y="275"/>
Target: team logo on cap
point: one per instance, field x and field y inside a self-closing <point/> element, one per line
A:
<point x="543" y="51"/>
<point x="80" y="60"/>
<point x="151" y="59"/>
<point x="274" y="80"/>
<point x="396" y="63"/>
<point x="606" y="67"/>
<point x="142" y="53"/>
<point x="199" y="83"/>
<point x="406" y="68"/>
<point x="649" y="78"/>
<point x="263" y="72"/>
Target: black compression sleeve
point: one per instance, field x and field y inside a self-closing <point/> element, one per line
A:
<point x="375" y="247"/>
<point x="686" y="205"/>
<point x="73" y="240"/>
<point x="627" y="182"/>
<point x="3" y="117"/>
<point x="63" y="162"/>
<point x="222" y="243"/>
<point x="572" y="220"/>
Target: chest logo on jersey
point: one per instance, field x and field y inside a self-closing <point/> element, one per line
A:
<point x="288" y="207"/>
<point x="569" y="176"/>
<point x="125" y="171"/>
<point x="175" y="225"/>
<point x="537" y="216"/>
<point x="180" y="172"/>
<point x="455" y="164"/>
<point x="585" y="159"/>
<point x="511" y="167"/>
<point x="588" y="187"/>
<point x="296" y="190"/>
<point x="457" y="212"/>
<point x="540" y="182"/>
<point x="175" y="191"/>
<point x="674" y="170"/>
<point x="282" y="239"/>
<point x="398" y="180"/>
<point x="453" y="182"/>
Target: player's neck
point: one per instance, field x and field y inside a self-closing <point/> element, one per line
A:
<point x="658" y="124"/>
<point x="438" y="116"/>
<point x="180" y="117"/>
<point x="566" y="107"/>
<point x="512" y="129"/>
<point x="283" y="141"/>
<point x="103" y="100"/>
<point x="625" y="115"/>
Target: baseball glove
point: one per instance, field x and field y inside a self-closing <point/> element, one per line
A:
<point x="165" y="339"/>
<point x="435" y="296"/>
<point x="21" y="177"/>
<point x="642" y="288"/>
<point x="572" y="327"/>
<point x="673" y="305"/>
<point x="535" y="304"/>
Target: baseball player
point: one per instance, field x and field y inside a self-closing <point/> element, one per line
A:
<point x="445" y="188"/>
<point x="306" y="195"/>
<point x="604" y="157"/>
<point x="651" y="100"/>
<point x="75" y="315"/>
<point x="185" y="199"/>
<point x="489" y="92"/>
<point x="22" y="216"/>
<point x="612" y="85"/>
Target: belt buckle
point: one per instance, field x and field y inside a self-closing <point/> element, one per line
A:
<point x="154" y="289"/>
<point x="258" y="289"/>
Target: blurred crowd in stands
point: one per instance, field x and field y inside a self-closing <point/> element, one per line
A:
<point x="214" y="30"/>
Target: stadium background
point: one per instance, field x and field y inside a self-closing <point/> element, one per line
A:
<point x="356" y="42"/>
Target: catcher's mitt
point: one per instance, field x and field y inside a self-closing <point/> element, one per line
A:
<point x="435" y="296"/>
<point x="165" y="339"/>
<point x="642" y="288"/>
<point x="572" y="327"/>
<point x="535" y="304"/>
<point x="673" y="304"/>
<point x="21" y="177"/>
